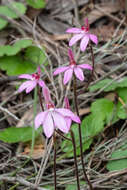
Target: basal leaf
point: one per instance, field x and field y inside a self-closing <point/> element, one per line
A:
<point x="14" y="135"/>
<point x="122" y="109"/>
<point x="15" y="48"/>
<point x="3" y="23"/>
<point x="15" y="65"/>
<point x="121" y="163"/>
<point x="11" y="12"/>
<point x="36" y="55"/>
<point x="103" y="108"/>
<point x="37" y="4"/>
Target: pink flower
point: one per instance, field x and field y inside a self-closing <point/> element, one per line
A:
<point x="33" y="81"/>
<point x="67" y="106"/>
<point x="54" y="118"/>
<point x="83" y="34"/>
<point x="77" y="69"/>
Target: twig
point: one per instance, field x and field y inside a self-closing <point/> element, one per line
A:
<point x="22" y="181"/>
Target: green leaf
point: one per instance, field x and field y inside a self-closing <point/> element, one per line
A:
<point x="11" y="12"/>
<point x="103" y="83"/>
<point x="3" y="23"/>
<point x="15" y="48"/>
<point x="36" y="55"/>
<point x="103" y="108"/>
<point x="15" y="65"/>
<point x="74" y="186"/>
<point x="121" y="109"/>
<point x="14" y="135"/>
<point x="37" y="4"/>
<point x="121" y="163"/>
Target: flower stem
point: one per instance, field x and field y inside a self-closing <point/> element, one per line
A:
<point x="57" y="131"/>
<point x="40" y="98"/>
<point x="54" y="140"/>
<point x="75" y="159"/>
<point x="80" y="133"/>
<point x="33" y="128"/>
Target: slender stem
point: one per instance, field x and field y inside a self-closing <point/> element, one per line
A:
<point x="93" y="65"/>
<point x="75" y="159"/>
<point x="40" y="98"/>
<point x="63" y="135"/>
<point x="33" y="129"/>
<point x="54" y="140"/>
<point x="80" y="133"/>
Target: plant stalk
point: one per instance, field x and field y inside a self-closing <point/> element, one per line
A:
<point x="75" y="159"/>
<point x="80" y="132"/>
<point x="54" y="140"/>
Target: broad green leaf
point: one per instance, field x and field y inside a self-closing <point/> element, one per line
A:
<point x="104" y="109"/>
<point x="15" y="65"/>
<point x="11" y="12"/>
<point x="121" y="163"/>
<point x="3" y="23"/>
<point x="37" y="4"/>
<point x="36" y="55"/>
<point x="74" y="186"/>
<point x="90" y="127"/>
<point x="121" y="109"/>
<point x="104" y="83"/>
<point x="15" y="48"/>
<point x="14" y="135"/>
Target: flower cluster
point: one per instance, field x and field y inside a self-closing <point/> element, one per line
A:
<point x="60" y="118"/>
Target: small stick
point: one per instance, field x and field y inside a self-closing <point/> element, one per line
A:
<point x="75" y="159"/>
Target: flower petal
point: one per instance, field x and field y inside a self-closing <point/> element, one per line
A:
<point x="60" y="122"/>
<point x="68" y="121"/>
<point x="31" y="86"/>
<point x="68" y="113"/>
<point x="75" y="38"/>
<point x="85" y="66"/>
<point x="93" y="38"/>
<point x="67" y="75"/>
<point x="60" y="70"/>
<point x="41" y="83"/>
<point x="39" y="119"/>
<point x="25" y="76"/>
<point x="73" y="30"/>
<point x="84" y="42"/>
<point x="79" y="73"/>
<point x="24" y="85"/>
<point x="48" y="125"/>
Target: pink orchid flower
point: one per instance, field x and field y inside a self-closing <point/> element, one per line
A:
<point x="77" y="69"/>
<point x="67" y="106"/>
<point x="54" y="118"/>
<point x="33" y="81"/>
<point x="83" y="34"/>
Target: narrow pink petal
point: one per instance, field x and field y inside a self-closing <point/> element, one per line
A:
<point x="46" y="94"/>
<point x="25" y="76"/>
<point x="68" y="113"/>
<point x="24" y="85"/>
<point x="86" y="23"/>
<point x="73" y="30"/>
<point x="67" y="75"/>
<point x="48" y="125"/>
<point x="38" y="70"/>
<point x="94" y="38"/>
<point x="68" y="121"/>
<point x="85" y="66"/>
<point x="75" y="38"/>
<point x="41" y="83"/>
<point x="66" y="102"/>
<point x="39" y="119"/>
<point x="60" y="70"/>
<point x="79" y="73"/>
<point x="31" y="86"/>
<point x="70" y="54"/>
<point x="60" y="122"/>
<point x="84" y="42"/>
